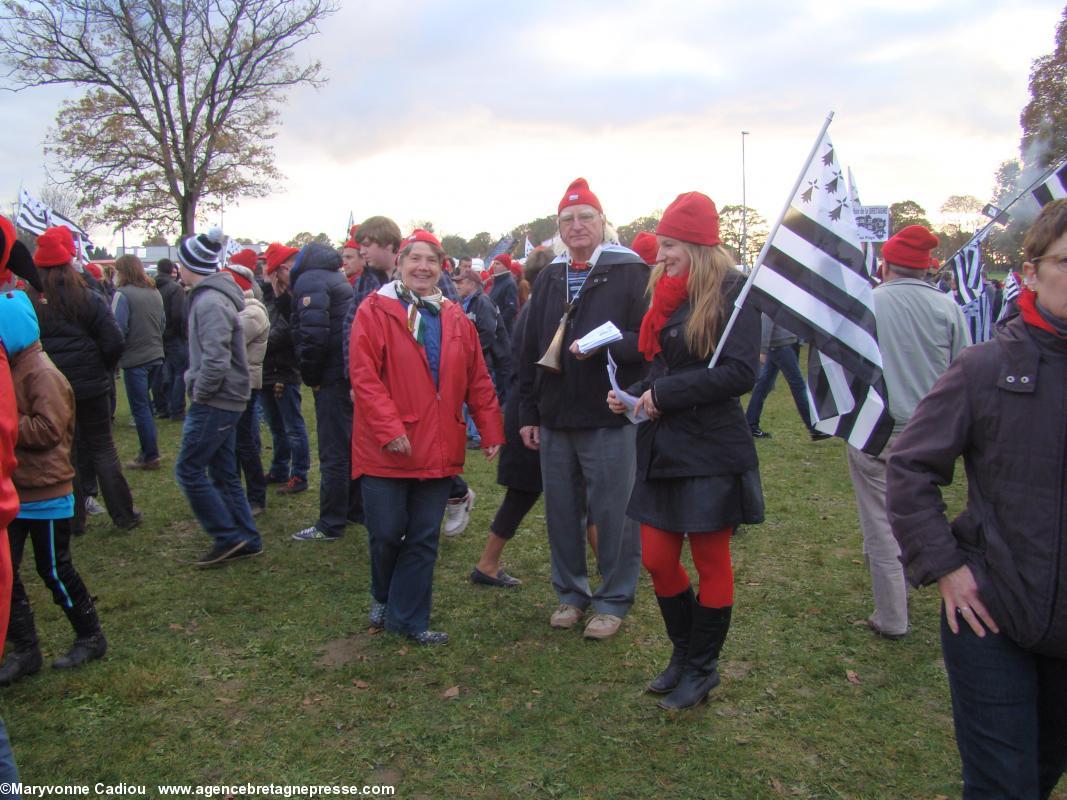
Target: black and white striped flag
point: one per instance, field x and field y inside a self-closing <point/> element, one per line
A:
<point x="813" y="281"/>
<point x="967" y="269"/>
<point x="870" y="259"/>
<point x="1011" y="287"/>
<point x="1054" y="188"/>
<point x="34" y="216"/>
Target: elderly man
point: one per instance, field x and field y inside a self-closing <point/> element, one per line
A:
<point x="587" y="453"/>
<point x="920" y="330"/>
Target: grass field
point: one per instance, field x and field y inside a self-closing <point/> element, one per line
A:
<point x="265" y="672"/>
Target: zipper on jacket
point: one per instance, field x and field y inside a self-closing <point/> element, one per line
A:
<point x="1059" y="548"/>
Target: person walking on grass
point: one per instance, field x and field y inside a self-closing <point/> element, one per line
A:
<point x="43" y="478"/>
<point x="416" y="360"/>
<point x="219" y="387"/>
<point x="80" y="335"/>
<point x="697" y="472"/>
<point x="138" y="308"/>
<point x="175" y="343"/>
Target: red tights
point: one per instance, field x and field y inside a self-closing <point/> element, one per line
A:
<point x="661" y="553"/>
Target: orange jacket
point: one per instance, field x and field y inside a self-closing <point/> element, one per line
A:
<point x="395" y="393"/>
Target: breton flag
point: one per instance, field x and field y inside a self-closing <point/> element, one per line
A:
<point x="870" y="259"/>
<point x="498" y="249"/>
<point x="967" y="268"/>
<point x="34" y="216"/>
<point x="1011" y="287"/>
<point x="812" y="280"/>
<point x="1054" y="188"/>
<point x="529" y="248"/>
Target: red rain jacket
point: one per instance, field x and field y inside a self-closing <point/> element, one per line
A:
<point x="9" y="496"/>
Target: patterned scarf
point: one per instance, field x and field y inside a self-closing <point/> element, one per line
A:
<point x="669" y="294"/>
<point x="431" y="303"/>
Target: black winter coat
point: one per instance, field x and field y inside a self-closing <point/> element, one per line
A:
<point x="576" y="398"/>
<point x="493" y="337"/>
<point x="175" y="308"/>
<point x="322" y="298"/>
<point x="519" y="467"/>
<point x="87" y="349"/>
<point x="702" y="430"/>
<point x="505" y="294"/>
<point x="1002" y="406"/>
<point x="279" y="362"/>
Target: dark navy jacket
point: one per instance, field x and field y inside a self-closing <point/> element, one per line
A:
<point x="321" y="300"/>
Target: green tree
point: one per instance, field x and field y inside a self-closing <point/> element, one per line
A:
<point x="905" y="213"/>
<point x="480" y="243"/>
<point x="456" y="246"/>
<point x="1044" y="118"/>
<point x="537" y="230"/>
<point x="156" y="240"/>
<point x="730" y="229"/>
<point x="305" y="238"/>
<point x="648" y="223"/>
<point x="181" y="97"/>
<point x="1004" y="245"/>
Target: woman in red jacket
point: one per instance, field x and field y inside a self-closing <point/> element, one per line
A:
<point x="415" y="360"/>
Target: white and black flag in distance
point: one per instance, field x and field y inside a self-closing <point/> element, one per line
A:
<point x="967" y="268"/>
<point x="813" y="282"/>
<point x="34" y="216"/>
<point x="1011" y="287"/>
<point x="870" y="258"/>
<point x="1054" y="188"/>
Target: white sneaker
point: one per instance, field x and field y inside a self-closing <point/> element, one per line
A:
<point x="92" y="507"/>
<point x="458" y="514"/>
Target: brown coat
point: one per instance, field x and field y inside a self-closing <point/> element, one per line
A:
<point x="46" y="426"/>
<point x="1002" y="406"/>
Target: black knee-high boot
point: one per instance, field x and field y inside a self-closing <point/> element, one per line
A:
<point x="677" y="612"/>
<point x="701" y="673"/>
<point x="89" y="641"/>
<point x="23" y="655"/>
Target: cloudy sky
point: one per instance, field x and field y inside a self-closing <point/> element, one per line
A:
<point x="476" y="115"/>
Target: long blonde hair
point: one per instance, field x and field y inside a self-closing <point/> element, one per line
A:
<point x="708" y="268"/>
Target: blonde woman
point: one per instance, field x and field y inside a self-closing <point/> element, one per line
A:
<point x="697" y="474"/>
<point x="138" y="309"/>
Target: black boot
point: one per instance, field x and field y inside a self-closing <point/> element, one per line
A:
<point x="89" y="641"/>
<point x="701" y="673"/>
<point x="23" y="656"/>
<point x="677" y="614"/>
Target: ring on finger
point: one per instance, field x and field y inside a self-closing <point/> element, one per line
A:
<point x="963" y="609"/>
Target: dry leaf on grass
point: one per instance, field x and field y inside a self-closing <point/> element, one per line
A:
<point x="360" y="684"/>
<point x="451" y="693"/>
<point x="852" y="676"/>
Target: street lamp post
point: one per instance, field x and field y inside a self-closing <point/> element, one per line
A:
<point x="744" y="207"/>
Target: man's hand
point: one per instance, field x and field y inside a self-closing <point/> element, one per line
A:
<point x="531" y="436"/>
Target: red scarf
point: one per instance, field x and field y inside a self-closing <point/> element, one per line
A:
<point x="670" y="292"/>
<point x="1031" y="316"/>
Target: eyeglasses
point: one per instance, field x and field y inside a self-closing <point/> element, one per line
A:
<point x="585" y="218"/>
<point x="1059" y="260"/>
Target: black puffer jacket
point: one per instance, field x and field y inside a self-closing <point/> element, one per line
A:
<point x="279" y="363"/>
<point x="175" y="308"/>
<point x="505" y="294"/>
<point x="614" y="290"/>
<point x="321" y="301"/>
<point x="702" y="430"/>
<point x="1001" y="405"/>
<point x="85" y="349"/>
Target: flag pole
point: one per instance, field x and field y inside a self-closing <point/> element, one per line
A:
<point x="979" y="235"/>
<point x="740" y="301"/>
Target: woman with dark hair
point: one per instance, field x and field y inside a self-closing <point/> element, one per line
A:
<point x="83" y="340"/>
<point x="1000" y="565"/>
<point x="415" y="360"/>
<point x="697" y="473"/>
<point x="138" y="309"/>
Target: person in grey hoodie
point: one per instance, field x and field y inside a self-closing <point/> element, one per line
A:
<point x="219" y="387"/>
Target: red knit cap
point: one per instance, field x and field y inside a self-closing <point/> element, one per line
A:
<point x="419" y="235"/>
<point x="910" y="248"/>
<point x="504" y="259"/>
<point x="246" y="258"/>
<point x="579" y="194"/>
<point x="277" y="253"/>
<point x="351" y="244"/>
<point x="95" y="270"/>
<point x="55" y="247"/>
<point x="353" y="234"/>
<point x="241" y="274"/>
<point x="646" y="245"/>
<point x="693" y="218"/>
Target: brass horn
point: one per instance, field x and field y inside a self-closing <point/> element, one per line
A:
<point x="552" y="359"/>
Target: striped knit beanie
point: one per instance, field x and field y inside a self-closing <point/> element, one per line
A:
<point x="200" y="253"/>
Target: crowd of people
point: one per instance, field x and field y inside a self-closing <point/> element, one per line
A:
<point x="413" y="359"/>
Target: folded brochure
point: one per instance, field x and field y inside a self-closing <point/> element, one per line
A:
<point x="598" y="337"/>
<point x="633" y="413"/>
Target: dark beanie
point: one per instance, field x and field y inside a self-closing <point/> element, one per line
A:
<point x="200" y="253"/>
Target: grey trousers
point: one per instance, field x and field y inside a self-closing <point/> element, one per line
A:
<point x="590" y="472"/>
<point x="888" y="584"/>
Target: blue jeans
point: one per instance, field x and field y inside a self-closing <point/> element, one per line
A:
<point x="339" y="500"/>
<point x="137" y="380"/>
<point x="404" y="523"/>
<point x="1009" y="707"/>
<point x="782" y="359"/>
<point x="288" y="432"/>
<point x="207" y="473"/>
<point x="248" y="447"/>
<point x="176" y="362"/>
<point x="8" y="773"/>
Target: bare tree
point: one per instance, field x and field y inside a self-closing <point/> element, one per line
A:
<point x="181" y="100"/>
